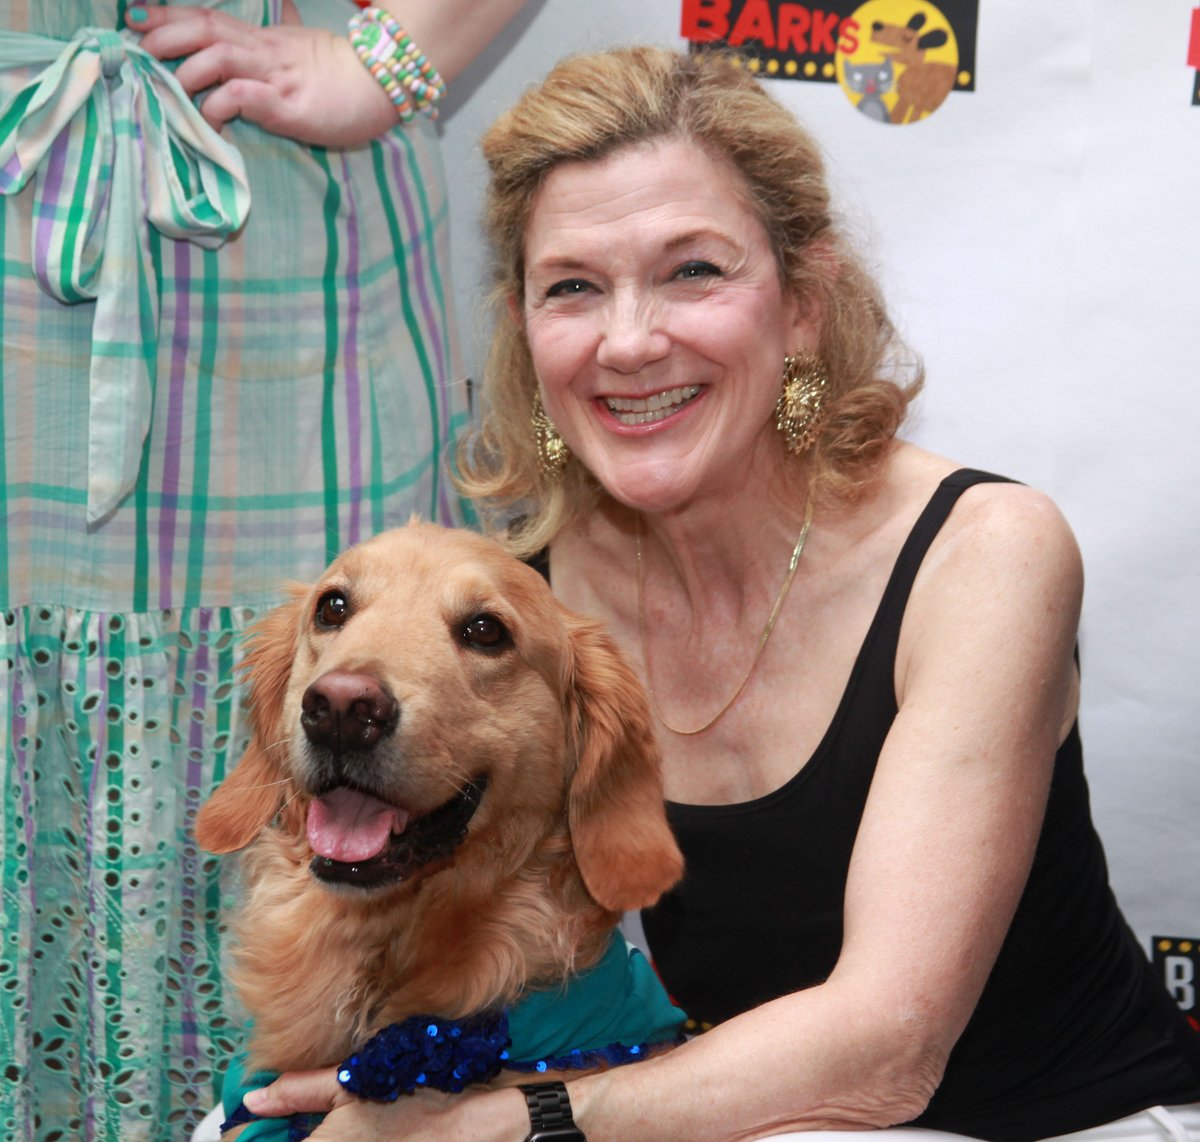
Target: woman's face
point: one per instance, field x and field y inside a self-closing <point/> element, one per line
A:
<point x="658" y="324"/>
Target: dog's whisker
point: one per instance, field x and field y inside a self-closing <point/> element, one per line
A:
<point x="457" y="771"/>
<point x="267" y="784"/>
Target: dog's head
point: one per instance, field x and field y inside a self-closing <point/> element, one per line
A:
<point x="430" y="696"/>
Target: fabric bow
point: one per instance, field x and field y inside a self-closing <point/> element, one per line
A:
<point x="111" y="141"/>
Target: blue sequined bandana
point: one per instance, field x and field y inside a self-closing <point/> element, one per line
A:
<point x="449" y="1054"/>
<point x="445" y="1054"/>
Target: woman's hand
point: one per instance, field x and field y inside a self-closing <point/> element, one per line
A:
<point x="426" y="1116"/>
<point x="297" y="1092"/>
<point x="303" y="83"/>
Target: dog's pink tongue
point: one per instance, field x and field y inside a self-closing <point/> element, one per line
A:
<point x="349" y="826"/>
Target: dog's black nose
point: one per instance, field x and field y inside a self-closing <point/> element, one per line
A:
<point x="346" y="711"/>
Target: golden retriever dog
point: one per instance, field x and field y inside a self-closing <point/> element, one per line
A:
<point x="451" y="794"/>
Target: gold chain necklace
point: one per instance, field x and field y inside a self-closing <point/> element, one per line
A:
<point x="762" y="638"/>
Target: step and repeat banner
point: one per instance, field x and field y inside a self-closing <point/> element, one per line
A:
<point x="1025" y="178"/>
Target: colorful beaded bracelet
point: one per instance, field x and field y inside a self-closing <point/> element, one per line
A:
<point x="402" y="70"/>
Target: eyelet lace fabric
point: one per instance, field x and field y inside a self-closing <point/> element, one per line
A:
<point x="117" y="728"/>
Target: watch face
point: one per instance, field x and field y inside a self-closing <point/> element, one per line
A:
<point x="557" y="1134"/>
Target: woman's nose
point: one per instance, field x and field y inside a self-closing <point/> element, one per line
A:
<point x="633" y="334"/>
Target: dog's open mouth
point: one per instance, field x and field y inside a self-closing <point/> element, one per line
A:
<point x="361" y="841"/>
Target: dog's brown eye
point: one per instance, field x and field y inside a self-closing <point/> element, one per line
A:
<point x="333" y="609"/>
<point x="486" y="632"/>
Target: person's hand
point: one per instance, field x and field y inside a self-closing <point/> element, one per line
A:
<point x="425" y="1116"/>
<point x="304" y="83"/>
<point x="297" y="1092"/>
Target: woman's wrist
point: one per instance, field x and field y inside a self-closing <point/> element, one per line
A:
<point x="397" y="64"/>
<point x="502" y="1116"/>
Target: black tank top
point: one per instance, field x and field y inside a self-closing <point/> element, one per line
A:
<point x="1073" y="1028"/>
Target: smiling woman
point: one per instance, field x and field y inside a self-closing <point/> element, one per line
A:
<point x="673" y="310"/>
<point x="745" y="218"/>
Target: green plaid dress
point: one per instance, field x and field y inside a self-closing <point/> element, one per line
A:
<point x="222" y="363"/>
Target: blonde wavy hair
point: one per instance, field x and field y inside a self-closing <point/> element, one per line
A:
<point x="591" y="106"/>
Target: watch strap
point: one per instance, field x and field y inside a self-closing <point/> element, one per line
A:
<point x="550" y="1118"/>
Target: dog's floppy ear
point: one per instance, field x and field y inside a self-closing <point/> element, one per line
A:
<point x="249" y="798"/>
<point x="623" y="844"/>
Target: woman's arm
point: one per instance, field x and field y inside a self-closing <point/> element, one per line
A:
<point x="307" y="83"/>
<point x="453" y="33"/>
<point x="987" y="690"/>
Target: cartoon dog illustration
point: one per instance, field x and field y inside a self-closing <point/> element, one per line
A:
<point x="923" y="84"/>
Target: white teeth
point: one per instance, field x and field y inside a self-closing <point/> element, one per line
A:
<point x="647" y="410"/>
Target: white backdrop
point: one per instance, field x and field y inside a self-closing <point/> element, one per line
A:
<point x="1038" y="241"/>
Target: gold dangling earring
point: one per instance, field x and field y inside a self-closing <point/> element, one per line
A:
<point x="552" y="450"/>
<point x="801" y="400"/>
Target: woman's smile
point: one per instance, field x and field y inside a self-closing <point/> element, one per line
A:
<point x="634" y="412"/>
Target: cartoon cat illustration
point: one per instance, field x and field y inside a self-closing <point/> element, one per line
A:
<point x="872" y="81"/>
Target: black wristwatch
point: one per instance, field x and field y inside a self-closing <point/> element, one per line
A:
<point x="550" y="1113"/>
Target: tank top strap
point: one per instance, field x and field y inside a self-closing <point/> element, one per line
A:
<point x="930" y="522"/>
<point x="540" y="562"/>
<point x="886" y="625"/>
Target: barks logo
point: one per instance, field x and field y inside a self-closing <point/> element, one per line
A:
<point x="896" y="60"/>
<point x="1178" y="961"/>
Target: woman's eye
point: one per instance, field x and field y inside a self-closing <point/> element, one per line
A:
<point x="486" y="632"/>
<point x="689" y="271"/>
<point x="571" y="287"/>
<point x="333" y="609"/>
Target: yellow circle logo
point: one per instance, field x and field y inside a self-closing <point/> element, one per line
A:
<point x="897" y="60"/>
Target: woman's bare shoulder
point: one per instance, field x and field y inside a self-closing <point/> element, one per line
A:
<point x="1003" y="519"/>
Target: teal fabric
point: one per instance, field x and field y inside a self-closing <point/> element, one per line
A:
<point x="237" y="1085"/>
<point x="620" y="1000"/>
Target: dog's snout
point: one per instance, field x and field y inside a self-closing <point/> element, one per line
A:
<point x="344" y="711"/>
